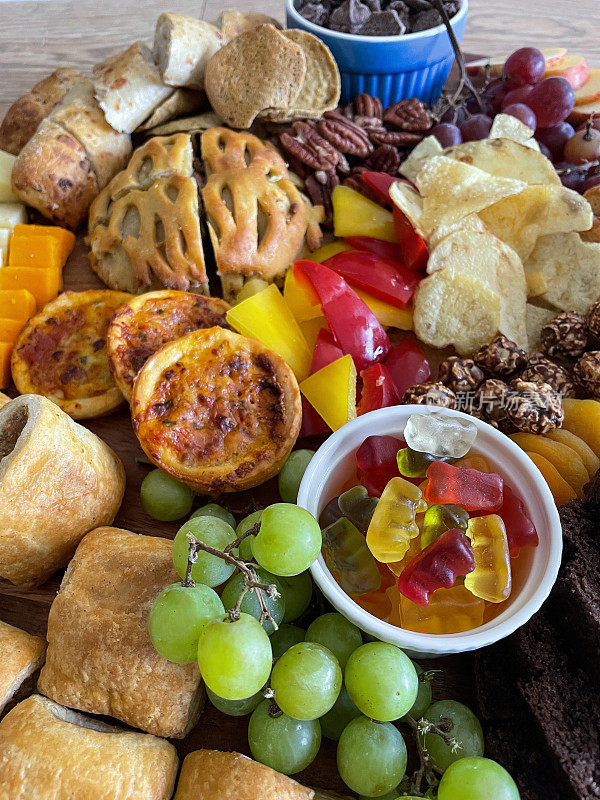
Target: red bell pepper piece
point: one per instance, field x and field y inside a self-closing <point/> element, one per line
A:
<point x="326" y="351"/>
<point x="437" y="566"/>
<point x="378" y="246"/>
<point x="378" y="390"/>
<point x="520" y="530"/>
<point x="412" y="245"/>
<point x="467" y="487"/>
<point x="389" y="280"/>
<point x="355" y="328"/>
<point x="380" y="182"/>
<point x="407" y="365"/>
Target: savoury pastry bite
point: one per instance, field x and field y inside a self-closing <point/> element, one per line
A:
<point x="182" y="48"/>
<point x="48" y="752"/>
<point x="146" y="323"/>
<point x="100" y="658"/>
<point x="61" y="353"/>
<point x="23" y="117"/>
<point x="57" y="482"/>
<point x="214" y="775"/>
<point x="217" y="411"/>
<point x="21" y="655"/>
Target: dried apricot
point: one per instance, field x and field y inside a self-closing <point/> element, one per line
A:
<point x="567" y="462"/>
<point x="561" y="491"/>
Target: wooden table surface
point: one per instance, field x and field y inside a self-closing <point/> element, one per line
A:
<point x="38" y="35"/>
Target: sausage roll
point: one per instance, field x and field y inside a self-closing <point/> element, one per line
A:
<point x="100" y="658"/>
<point x="57" y="482"/>
<point x="21" y="655"/>
<point x="48" y="752"/>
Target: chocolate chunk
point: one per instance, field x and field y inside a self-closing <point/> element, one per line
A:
<point x="314" y="12"/>
<point x="349" y="16"/>
<point x="374" y="5"/>
<point x="418" y="5"/>
<point x="400" y="7"/>
<point x="425" y="20"/>
<point x="383" y="23"/>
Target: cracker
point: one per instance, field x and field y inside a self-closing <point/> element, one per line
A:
<point x="233" y="22"/>
<point x="259" y="69"/>
<point x="200" y="122"/>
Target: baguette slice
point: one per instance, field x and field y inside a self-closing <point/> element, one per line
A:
<point x="182" y="48"/>
<point x="21" y="655"/>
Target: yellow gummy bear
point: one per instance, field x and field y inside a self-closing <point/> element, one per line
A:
<point x="393" y="524"/>
<point x="491" y="579"/>
<point x="449" y="611"/>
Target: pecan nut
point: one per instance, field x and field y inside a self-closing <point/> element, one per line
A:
<point x="345" y="135"/>
<point x="319" y="188"/>
<point x="395" y="138"/>
<point x="306" y="144"/>
<point x="408" y="115"/>
<point x="384" y="159"/>
<point x="365" y="105"/>
<point x="354" y="181"/>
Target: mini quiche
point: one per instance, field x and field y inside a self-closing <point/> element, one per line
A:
<point x="61" y="353"/>
<point x="217" y="411"/>
<point x="147" y="322"/>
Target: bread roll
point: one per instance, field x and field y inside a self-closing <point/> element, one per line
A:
<point x="182" y="48"/>
<point x="48" y="752"/>
<point x="21" y="654"/>
<point x="26" y="113"/>
<point x="57" y="482"/>
<point x="100" y="658"/>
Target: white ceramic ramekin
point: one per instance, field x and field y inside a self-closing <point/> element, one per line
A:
<point x="334" y="464"/>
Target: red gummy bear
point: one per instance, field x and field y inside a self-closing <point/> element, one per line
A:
<point x="520" y="530"/>
<point x="468" y="488"/>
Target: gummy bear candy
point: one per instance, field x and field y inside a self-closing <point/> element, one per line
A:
<point x="376" y="462"/>
<point x="376" y="603"/>
<point x="440" y="435"/>
<point x="449" y="611"/>
<point x="438" y="566"/>
<point x="413" y="463"/>
<point x="520" y="530"/>
<point x="469" y="488"/>
<point x="393" y="524"/>
<point x="358" y="507"/>
<point x="440" y="518"/>
<point x="474" y="461"/>
<point x="347" y="555"/>
<point x="330" y="514"/>
<point x="396" y="567"/>
<point x="491" y="579"/>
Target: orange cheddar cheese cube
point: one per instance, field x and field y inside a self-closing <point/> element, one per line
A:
<point x="5" y="354"/>
<point x="65" y="238"/>
<point x="44" y="284"/>
<point x="16" y="304"/>
<point x="35" y="251"/>
<point x="10" y="329"/>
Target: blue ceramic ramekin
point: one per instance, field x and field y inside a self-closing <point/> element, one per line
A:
<point x="391" y="67"/>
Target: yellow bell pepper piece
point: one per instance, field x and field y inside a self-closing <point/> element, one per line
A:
<point x="65" y="238"/>
<point x="43" y="284"/>
<point x="310" y="328"/>
<point x="10" y="329"/>
<point x="301" y="298"/>
<point x="356" y="215"/>
<point x="394" y="524"/>
<point x="388" y="315"/>
<point x="6" y="349"/>
<point x="332" y="392"/>
<point x="35" y="251"/>
<point x="17" y="304"/>
<point x="328" y="251"/>
<point x="267" y="317"/>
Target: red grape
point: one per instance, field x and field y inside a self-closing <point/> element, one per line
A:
<point x="570" y="176"/>
<point x="519" y="95"/>
<point x="447" y="134"/>
<point x="590" y="183"/>
<point x="522" y="112"/>
<point x="551" y="101"/>
<point x="455" y="116"/>
<point x="524" y="66"/>
<point x="555" y="138"/>
<point x="583" y="146"/>
<point x="476" y="127"/>
<point x="545" y="152"/>
<point x="593" y="121"/>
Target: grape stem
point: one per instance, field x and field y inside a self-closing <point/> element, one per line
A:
<point x="251" y="582"/>
<point x="427" y="769"/>
<point x="192" y="558"/>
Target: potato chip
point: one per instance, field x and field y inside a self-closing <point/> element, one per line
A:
<point x="320" y="91"/>
<point x="408" y="201"/>
<point x="512" y="288"/>
<point x="453" y="189"/>
<point x="259" y="69"/>
<point x="571" y="268"/>
<point x="537" y="211"/>
<point x="426" y="149"/>
<point x="505" y="126"/>
<point x="472" y="223"/>
<point x="536" y="284"/>
<point x="505" y="159"/>
<point x="535" y="319"/>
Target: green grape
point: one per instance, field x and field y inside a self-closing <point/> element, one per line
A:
<point x="235" y="708"/>
<point x="477" y="779"/>
<point x="297" y="590"/>
<point x="393" y="795"/>
<point x="285" y="637"/>
<point x="337" y="634"/>
<point x="208" y="569"/>
<point x="248" y="522"/>
<point x="215" y="510"/>
<point x="282" y="743"/>
<point x="289" y="539"/>
<point x="291" y="474"/>
<point x="235" y="658"/>
<point x="178" y="615"/>
<point x="250" y="605"/>
<point x="306" y="680"/>
<point x="164" y="498"/>
<point x="381" y="681"/>
<point x="466" y="729"/>
<point x="336" y="719"/>
<point x="371" y="756"/>
<point x="423" y="700"/>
